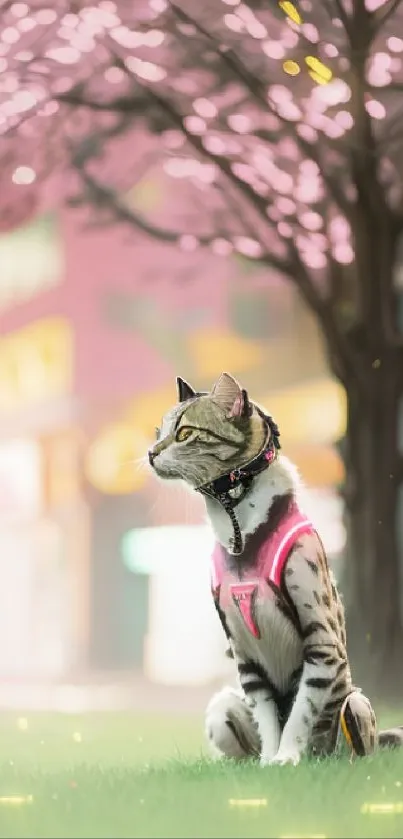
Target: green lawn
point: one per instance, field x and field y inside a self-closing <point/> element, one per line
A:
<point x="122" y="775"/>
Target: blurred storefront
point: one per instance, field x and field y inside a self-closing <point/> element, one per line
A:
<point x="43" y="515"/>
<point x="95" y="324"/>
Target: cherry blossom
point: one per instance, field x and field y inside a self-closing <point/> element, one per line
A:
<point x="207" y="79"/>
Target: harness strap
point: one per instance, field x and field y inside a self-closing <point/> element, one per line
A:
<point x="272" y="554"/>
<point x="287" y="543"/>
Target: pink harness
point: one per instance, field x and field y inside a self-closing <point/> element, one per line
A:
<point x="270" y="561"/>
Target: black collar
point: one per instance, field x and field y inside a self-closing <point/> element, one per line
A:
<point x="240" y="477"/>
<point x="220" y="489"/>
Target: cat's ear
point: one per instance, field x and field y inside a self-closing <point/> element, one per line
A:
<point x="184" y="390"/>
<point x="229" y="395"/>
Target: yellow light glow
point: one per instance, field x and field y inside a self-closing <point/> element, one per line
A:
<point x="63" y="481"/>
<point x="319" y="465"/>
<point x="146" y="409"/>
<point x="291" y="11"/>
<point x="318" y="71"/>
<point x="291" y="68"/>
<point x="112" y="462"/>
<point x="382" y="808"/>
<point x="247" y="802"/>
<point x="16" y="799"/>
<point x="36" y="363"/>
<point x="146" y="195"/>
<point x="315" y="411"/>
<point x="77" y="737"/>
<point x="22" y="723"/>
<point x="212" y="350"/>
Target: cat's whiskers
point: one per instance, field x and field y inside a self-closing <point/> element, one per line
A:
<point x="138" y="463"/>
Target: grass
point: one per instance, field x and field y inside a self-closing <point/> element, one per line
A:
<point x="122" y="775"/>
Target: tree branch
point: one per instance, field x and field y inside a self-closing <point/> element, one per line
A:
<point x="294" y="269"/>
<point x="391" y="87"/>
<point x="341" y="12"/>
<point x="255" y="88"/>
<point x="121" y="105"/>
<point x="104" y="197"/>
<point x="382" y="15"/>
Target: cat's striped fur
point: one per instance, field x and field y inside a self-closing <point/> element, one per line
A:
<point x="295" y="678"/>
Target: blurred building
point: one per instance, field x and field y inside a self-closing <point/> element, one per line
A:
<point x="95" y="324"/>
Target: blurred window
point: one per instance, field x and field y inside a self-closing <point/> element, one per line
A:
<point x="31" y="261"/>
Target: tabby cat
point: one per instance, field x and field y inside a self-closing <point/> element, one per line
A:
<point x="274" y="593"/>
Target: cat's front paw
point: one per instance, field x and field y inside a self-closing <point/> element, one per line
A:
<point x="268" y="754"/>
<point x="282" y="758"/>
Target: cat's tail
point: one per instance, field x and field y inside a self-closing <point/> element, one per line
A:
<point x="391" y="738"/>
<point x="358" y="727"/>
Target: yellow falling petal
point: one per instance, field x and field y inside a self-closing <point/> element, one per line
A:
<point x="290" y="10"/>
<point x="22" y="723"/>
<point x="291" y="68"/>
<point x="318" y="71"/>
<point x="317" y="78"/>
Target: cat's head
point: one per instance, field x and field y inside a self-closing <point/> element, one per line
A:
<point x="207" y="435"/>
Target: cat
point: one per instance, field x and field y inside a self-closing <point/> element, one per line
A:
<point x="276" y="598"/>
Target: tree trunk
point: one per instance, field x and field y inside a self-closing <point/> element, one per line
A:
<point x="373" y="575"/>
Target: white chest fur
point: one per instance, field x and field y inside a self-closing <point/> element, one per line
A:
<point x="278" y="649"/>
<point x="280" y="479"/>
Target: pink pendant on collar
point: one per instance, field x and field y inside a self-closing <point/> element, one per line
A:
<point x="243" y="594"/>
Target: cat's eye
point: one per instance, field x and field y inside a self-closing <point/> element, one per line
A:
<point x="183" y="434"/>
